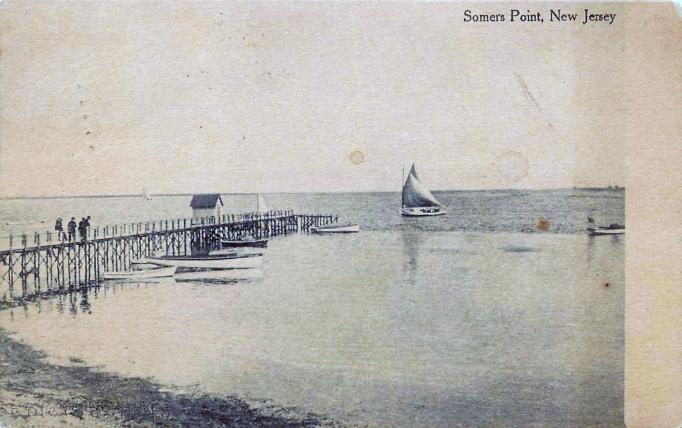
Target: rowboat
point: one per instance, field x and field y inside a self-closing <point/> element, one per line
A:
<point x="142" y="263"/>
<point x="260" y="243"/>
<point x="417" y="200"/>
<point x="235" y="251"/>
<point x="337" y="228"/>
<point x="141" y="274"/>
<point x="614" y="229"/>
<point x="241" y="261"/>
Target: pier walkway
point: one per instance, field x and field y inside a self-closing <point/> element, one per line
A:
<point x="34" y="268"/>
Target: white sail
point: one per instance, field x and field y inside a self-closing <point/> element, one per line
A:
<point x="413" y="172"/>
<point x="261" y="207"/>
<point x="415" y="194"/>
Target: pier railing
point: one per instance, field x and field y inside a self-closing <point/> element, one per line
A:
<point x="56" y="264"/>
<point x="36" y="239"/>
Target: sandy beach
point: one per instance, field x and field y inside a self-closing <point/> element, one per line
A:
<point x="36" y="393"/>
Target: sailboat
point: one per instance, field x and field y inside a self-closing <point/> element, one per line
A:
<point x="417" y="200"/>
<point x="145" y="195"/>
<point x="261" y="207"/>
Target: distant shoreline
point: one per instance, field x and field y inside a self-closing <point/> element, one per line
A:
<point x="163" y="195"/>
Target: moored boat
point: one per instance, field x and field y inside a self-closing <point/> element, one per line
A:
<point x="336" y="228"/>
<point x="141" y="274"/>
<point x="251" y="242"/>
<point x="240" y="261"/>
<point x="417" y="200"/>
<point x="142" y="263"/>
<point x="235" y="251"/>
<point x="613" y="229"/>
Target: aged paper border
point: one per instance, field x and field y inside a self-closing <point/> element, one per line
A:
<point x="653" y="245"/>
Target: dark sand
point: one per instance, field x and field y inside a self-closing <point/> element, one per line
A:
<point x="34" y="392"/>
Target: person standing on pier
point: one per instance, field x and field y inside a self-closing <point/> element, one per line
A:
<point x="87" y="226"/>
<point x="59" y="227"/>
<point x="72" y="229"/>
<point x="82" y="229"/>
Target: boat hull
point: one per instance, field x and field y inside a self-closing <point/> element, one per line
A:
<point x="247" y="261"/>
<point x="235" y="251"/>
<point x="141" y="274"/>
<point x="258" y="243"/>
<point x="601" y="231"/>
<point x="346" y="228"/>
<point x="422" y="211"/>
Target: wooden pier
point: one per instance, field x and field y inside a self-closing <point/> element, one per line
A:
<point x="34" y="269"/>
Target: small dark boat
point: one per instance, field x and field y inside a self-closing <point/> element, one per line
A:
<point x="612" y="229"/>
<point x="260" y="243"/>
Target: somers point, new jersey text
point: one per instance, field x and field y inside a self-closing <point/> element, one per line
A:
<point x="585" y="16"/>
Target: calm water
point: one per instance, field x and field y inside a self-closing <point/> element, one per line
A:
<point x="456" y="320"/>
<point x="482" y="211"/>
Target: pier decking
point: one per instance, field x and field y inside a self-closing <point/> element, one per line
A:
<point x="34" y="268"/>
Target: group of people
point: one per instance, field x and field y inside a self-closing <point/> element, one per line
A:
<point x="83" y="227"/>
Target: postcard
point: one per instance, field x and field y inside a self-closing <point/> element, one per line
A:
<point x="382" y="214"/>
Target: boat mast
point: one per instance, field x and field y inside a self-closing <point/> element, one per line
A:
<point x="402" y="190"/>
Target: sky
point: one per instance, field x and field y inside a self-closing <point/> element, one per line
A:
<point x="182" y="97"/>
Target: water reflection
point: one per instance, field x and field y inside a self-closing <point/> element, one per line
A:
<point x="81" y="301"/>
<point x="60" y="304"/>
<point x="412" y="241"/>
<point x="600" y="250"/>
<point x="72" y="303"/>
<point x="219" y="277"/>
<point x="85" y="303"/>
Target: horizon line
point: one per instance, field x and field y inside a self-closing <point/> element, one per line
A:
<point x="134" y="195"/>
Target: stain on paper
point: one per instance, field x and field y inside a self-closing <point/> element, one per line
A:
<point x="543" y="225"/>
<point x="357" y="157"/>
<point x="512" y="165"/>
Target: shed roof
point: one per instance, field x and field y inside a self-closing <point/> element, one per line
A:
<point x="209" y="200"/>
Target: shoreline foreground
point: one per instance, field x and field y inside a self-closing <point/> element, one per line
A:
<point x="34" y="392"/>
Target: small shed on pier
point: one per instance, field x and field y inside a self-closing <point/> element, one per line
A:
<point x="206" y="205"/>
